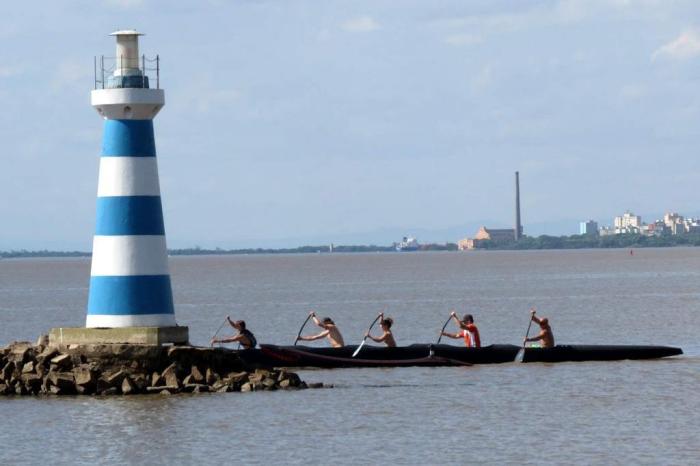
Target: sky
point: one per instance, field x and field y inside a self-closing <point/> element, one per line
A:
<point x="309" y="122"/>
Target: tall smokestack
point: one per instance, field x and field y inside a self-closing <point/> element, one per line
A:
<point x="518" y="227"/>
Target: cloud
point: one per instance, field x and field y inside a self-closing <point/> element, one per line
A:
<point x="463" y="39"/>
<point x="686" y="45"/>
<point x="360" y="24"/>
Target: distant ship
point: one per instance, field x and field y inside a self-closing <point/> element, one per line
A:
<point x="408" y="244"/>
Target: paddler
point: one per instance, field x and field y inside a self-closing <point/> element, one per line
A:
<point x="330" y="331"/>
<point x="469" y="331"/>
<point x="387" y="337"/>
<point x="244" y="336"/>
<point x="545" y="336"/>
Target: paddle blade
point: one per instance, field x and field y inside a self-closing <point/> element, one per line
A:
<point x="359" y="348"/>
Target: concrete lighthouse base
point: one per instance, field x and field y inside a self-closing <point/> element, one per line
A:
<point x="120" y="335"/>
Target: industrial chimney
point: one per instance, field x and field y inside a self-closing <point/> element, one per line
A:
<point x="518" y="226"/>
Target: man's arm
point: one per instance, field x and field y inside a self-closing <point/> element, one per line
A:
<point x="323" y="334"/>
<point x="232" y="339"/>
<point x="538" y="337"/>
<point x="451" y="335"/>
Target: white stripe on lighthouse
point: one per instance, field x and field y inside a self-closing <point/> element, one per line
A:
<point x="129" y="255"/>
<point x="128" y="176"/>
<point x="127" y="320"/>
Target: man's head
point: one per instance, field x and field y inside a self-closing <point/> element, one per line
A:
<point x="544" y="322"/>
<point x="239" y="324"/>
<point x="327" y="322"/>
<point x="468" y="319"/>
<point x="387" y="323"/>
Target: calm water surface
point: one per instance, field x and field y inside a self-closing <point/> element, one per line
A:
<point x="585" y="413"/>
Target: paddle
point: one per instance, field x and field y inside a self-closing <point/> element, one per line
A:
<point x="217" y="332"/>
<point x="366" y="334"/>
<point x="521" y="352"/>
<point x="302" y="327"/>
<point x="443" y="328"/>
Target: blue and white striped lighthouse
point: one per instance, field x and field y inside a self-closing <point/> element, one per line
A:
<point x="129" y="279"/>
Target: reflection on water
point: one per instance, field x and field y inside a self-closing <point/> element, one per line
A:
<point x="596" y="412"/>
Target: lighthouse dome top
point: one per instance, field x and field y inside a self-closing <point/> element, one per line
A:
<point x="127" y="32"/>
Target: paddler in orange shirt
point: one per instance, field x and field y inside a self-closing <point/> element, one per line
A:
<point x="469" y="331"/>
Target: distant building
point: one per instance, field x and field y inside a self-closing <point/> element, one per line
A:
<point x="588" y="228"/>
<point x="486" y="234"/>
<point x="627" y="223"/>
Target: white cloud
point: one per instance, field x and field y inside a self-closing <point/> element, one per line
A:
<point x="686" y="45"/>
<point x="463" y="39"/>
<point x="361" y="24"/>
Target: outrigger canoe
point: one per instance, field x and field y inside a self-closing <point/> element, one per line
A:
<point x="441" y="355"/>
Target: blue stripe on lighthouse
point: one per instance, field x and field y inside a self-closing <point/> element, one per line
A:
<point x="130" y="295"/>
<point x="128" y="138"/>
<point x="129" y="215"/>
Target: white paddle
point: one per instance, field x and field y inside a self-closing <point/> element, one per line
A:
<point x="366" y="335"/>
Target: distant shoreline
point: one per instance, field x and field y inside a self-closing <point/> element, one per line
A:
<point x="543" y="242"/>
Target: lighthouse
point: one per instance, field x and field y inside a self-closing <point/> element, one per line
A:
<point x="129" y="278"/>
<point x="130" y="298"/>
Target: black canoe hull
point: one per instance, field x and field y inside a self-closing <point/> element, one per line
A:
<point x="442" y="355"/>
<point x="564" y="353"/>
<point x="372" y="356"/>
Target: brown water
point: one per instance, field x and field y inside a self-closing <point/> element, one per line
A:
<point x="586" y="413"/>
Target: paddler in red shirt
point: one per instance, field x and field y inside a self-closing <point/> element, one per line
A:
<point x="468" y="331"/>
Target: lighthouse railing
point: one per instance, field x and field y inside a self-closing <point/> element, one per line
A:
<point x="110" y="72"/>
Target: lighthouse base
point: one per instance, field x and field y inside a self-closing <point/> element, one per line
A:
<point x="121" y="335"/>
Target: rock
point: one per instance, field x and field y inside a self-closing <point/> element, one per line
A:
<point x="218" y="385"/>
<point x="187" y="380"/>
<point x="62" y="361"/>
<point x="128" y="386"/>
<point x="84" y="375"/>
<point x="7" y="371"/>
<point x="224" y="389"/>
<point x="164" y="388"/>
<point x="196" y="375"/>
<point x="110" y="391"/>
<point x="237" y="377"/>
<point x="211" y="377"/>
<point x="269" y="383"/>
<point x="165" y="392"/>
<point x="284" y="384"/>
<point x="316" y="385"/>
<point x="20" y="352"/>
<point x="255" y="378"/>
<point x="294" y="379"/>
<point x="247" y="387"/>
<point x="140" y="383"/>
<point x="32" y="382"/>
<point x="195" y="388"/>
<point x="170" y="376"/>
<point x="4" y="389"/>
<point x="44" y="358"/>
<point x="156" y="380"/>
<point x="116" y="379"/>
<point x="64" y="381"/>
<point x="28" y="368"/>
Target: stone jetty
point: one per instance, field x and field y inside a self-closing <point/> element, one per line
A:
<point x="127" y="369"/>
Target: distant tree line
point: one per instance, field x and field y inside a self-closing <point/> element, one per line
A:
<point x="629" y="240"/>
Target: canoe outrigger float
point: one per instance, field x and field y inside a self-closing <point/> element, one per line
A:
<point x="442" y="355"/>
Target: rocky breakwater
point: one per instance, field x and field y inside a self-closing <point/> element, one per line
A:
<point x="39" y="369"/>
